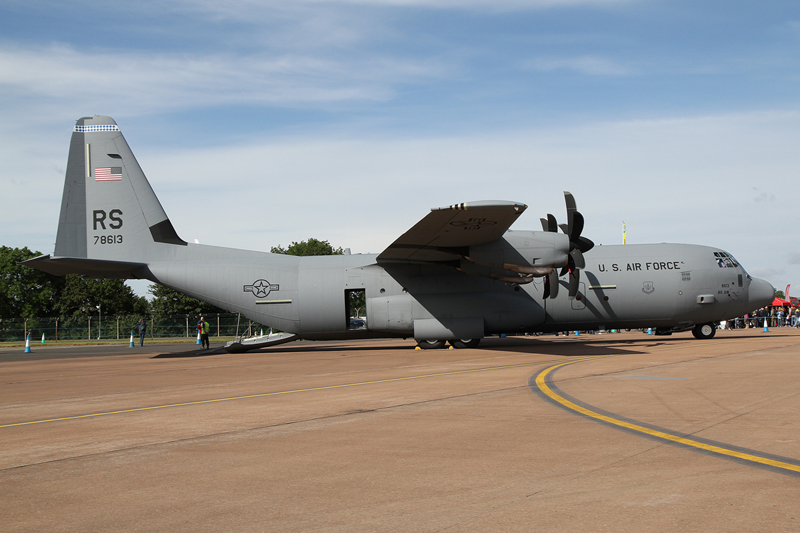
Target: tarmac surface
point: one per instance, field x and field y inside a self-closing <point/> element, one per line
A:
<point x="614" y="432"/>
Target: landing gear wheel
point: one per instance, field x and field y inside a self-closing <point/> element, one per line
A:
<point x="431" y="345"/>
<point x="704" y="331"/>
<point x="464" y="343"/>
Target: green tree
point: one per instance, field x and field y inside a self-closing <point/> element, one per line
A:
<point x="309" y="247"/>
<point x="25" y="292"/>
<point x="81" y="296"/>
<point x="167" y="302"/>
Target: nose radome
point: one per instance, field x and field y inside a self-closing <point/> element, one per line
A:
<point x="762" y="293"/>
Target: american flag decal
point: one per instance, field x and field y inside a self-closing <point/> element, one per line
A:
<point x="108" y="174"/>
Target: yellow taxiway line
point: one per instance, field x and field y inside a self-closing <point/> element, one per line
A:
<point x="545" y="375"/>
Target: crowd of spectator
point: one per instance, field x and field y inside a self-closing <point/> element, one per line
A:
<point x="776" y="317"/>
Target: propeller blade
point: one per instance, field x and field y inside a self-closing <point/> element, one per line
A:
<point x="576" y="229"/>
<point x="574" y="283"/>
<point x="546" y="293"/>
<point x="570" y="200"/>
<point x="552" y="282"/>
<point x="577" y="259"/>
<point x="564" y="228"/>
<point x="572" y="208"/>
<point x="552" y="224"/>
<point x="585" y="244"/>
<point x="549" y="224"/>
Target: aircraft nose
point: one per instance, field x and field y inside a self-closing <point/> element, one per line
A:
<point x="762" y="293"/>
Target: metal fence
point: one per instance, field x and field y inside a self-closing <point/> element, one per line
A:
<point x="97" y="327"/>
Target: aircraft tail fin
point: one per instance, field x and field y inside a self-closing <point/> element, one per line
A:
<point x="109" y="212"/>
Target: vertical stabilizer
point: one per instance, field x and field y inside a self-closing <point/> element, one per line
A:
<point x="108" y="210"/>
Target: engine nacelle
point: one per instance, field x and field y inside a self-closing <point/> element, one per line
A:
<point x="534" y="253"/>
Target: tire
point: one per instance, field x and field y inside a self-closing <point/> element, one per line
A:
<point x="464" y="343"/>
<point x="431" y="344"/>
<point x="704" y="331"/>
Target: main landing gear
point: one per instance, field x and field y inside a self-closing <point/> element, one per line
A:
<point x="455" y="343"/>
<point x="704" y="331"/>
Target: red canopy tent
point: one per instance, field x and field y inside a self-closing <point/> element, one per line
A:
<point x="785" y="302"/>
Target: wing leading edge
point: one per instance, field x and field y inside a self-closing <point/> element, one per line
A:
<point x="446" y="232"/>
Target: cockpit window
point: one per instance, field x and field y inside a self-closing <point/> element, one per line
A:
<point x="725" y="260"/>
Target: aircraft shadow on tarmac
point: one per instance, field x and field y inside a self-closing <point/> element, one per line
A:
<point x="583" y="346"/>
<point x="588" y="345"/>
<point x="190" y="353"/>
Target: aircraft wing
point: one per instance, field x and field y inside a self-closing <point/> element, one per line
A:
<point x="446" y="232"/>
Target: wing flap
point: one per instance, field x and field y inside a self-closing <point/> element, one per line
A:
<point x="447" y="232"/>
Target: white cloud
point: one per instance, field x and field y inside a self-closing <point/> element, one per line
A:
<point x="237" y="7"/>
<point x="590" y="65"/>
<point x="147" y="83"/>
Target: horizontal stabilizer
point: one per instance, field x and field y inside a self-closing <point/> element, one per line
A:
<point x="93" y="268"/>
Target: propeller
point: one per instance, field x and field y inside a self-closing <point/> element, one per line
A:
<point x="578" y="245"/>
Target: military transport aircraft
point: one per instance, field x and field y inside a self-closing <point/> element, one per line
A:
<point x="457" y="276"/>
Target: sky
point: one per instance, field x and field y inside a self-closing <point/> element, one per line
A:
<point x="260" y="123"/>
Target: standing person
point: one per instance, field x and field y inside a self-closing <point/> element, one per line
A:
<point x="142" y="331"/>
<point x="205" y="329"/>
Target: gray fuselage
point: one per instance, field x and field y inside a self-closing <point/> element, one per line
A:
<point x="633" y="286"/>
